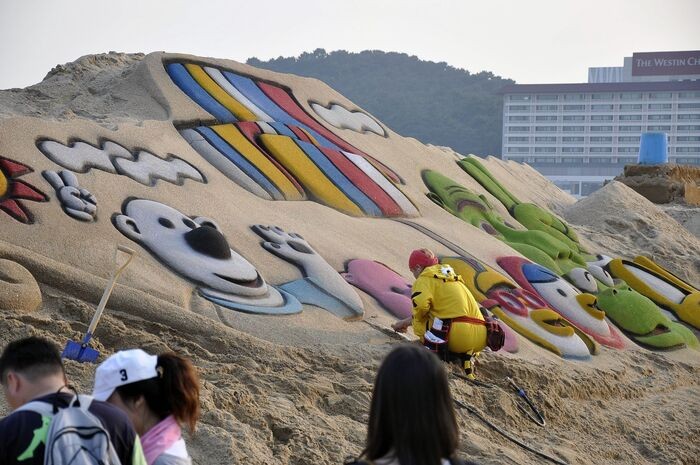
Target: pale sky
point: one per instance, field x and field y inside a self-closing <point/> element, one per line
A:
<point x="537" y="41"/>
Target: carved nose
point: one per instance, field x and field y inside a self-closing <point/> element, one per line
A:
<point x="208" y="241"/>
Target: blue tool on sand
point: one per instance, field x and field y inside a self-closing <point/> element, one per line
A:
<point x="81" y="351"/>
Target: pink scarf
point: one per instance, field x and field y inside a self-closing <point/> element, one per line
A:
<point x="159" y="438"/>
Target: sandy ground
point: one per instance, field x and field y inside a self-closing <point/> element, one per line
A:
<point x="296" y="389"/>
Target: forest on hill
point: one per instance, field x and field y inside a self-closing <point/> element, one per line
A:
<point x="433" y="102"/>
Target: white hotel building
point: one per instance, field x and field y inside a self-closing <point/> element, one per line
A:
<point x="579" y="135"/>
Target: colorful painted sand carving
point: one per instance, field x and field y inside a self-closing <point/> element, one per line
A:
<point x="269" y="145"/>
<point x="76" y="201"/>
<point x="342" y="118"/>
<point x="661" y="286"/>
<point x="143" y="167"/>
<point x="321" y="286"/>
<point x="390" y="289"/>
<point x="14" y="190"/>
<point x="579" y="308"/>
<point x="475" y="210"/>
<point x="522" y="310"/>
<point x="528" y="214"/>
<point x="195" y="249"/>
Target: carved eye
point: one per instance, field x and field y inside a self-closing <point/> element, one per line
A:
<point x="166" y="223"/>
<point x="561" y="292"/>
<point x="189" y="223"/>
<point x="587" y="275"/>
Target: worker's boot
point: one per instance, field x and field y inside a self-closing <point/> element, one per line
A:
<point x="468" y="366"/>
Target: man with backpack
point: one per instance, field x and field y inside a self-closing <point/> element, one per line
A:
<point x="446" y="317"/>
<point x="50" y="424"/>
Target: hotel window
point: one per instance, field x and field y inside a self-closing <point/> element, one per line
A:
<point x="600" y="150"/>
<point x="630" y="117"/>
<point x="601" y="139"/>
<point x="518" y="107"/>
<point x="689" y="95"/>
<point x="693" y="117"/>
<point x="518" y="139"/>
<point x="687" y="149"/>
<point x="546" y="108"/>
<point x="545" y="150"/>
<point x="572" y="139"/>
<point x="627" y="150"/>
<point x="518" y="128"/>
<point x="518" y="159"/>
<point x="628" y="139"/>
<point x="629" y="128"/>
<point x="688" y="128"/>
<point x="602" y="107"/>
<point x="572" y="149"/>
<point x="518" y="149"/>
<point x="627" y="160"/>
<point x="688" y="139"/>
<point x="688" y="106"/>
<point x="631" y="96"/>
<point x="659" y="117"/>
<point x="601" y="128"/>
<point x="574" y="107"/>
<point x="546" y="118"/>
<point x="574" y="96"/>
<point x="574" y="118"/>
<point x="545" y="160"/>
<point x="519" y="97"/>
<point x="659" y="128"/>
<point x="660" y="95"/>
<point x="518" y="118"/>
<point x="660" y="106"/>
<point x="601" y="118"/>
<point x="574" y="128"/>
<point x="572" y="160"/>
<point x="602" y="96"/>
<point x="630" y="106"/>
<point x="545" y="129"/>
<point x="601" y="160"/>
<point x="546" y="139"/>
<point x="548" y="97"/>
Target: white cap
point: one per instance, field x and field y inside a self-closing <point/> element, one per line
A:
<point x="124" y="367"/>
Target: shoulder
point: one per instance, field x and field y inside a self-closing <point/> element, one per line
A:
<point x="167" y="459"/>
<point x="109" y="414"/>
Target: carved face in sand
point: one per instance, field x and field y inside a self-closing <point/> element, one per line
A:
<point x="194" y="248"/>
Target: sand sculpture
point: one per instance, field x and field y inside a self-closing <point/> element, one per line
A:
<point x="342" y="118"/>
<point x="268" y="144"/>
<point x="321" y="286"/>
<point x="390" y="289"/>
<point x="76" y="201"/>
<point x="13" y="190"/>
<point x="19" y="290"/>
<point x="143" y="167"/>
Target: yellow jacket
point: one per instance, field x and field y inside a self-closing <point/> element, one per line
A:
<point x="440" y="292"/>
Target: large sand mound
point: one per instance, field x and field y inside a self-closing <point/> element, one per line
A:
<point x="295" y="388"/>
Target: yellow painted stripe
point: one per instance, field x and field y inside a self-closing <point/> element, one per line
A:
<point x="302" y="168"/>
<point x="237" y="140"/>
<point x="311" y="138"/>
<point x="223" y="97"/>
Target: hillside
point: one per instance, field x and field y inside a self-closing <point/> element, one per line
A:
<point x="433" y="102"/>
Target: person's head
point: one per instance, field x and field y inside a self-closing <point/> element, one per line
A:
<point x="29" y="368"/>
<point x="411" y="411"/>
<point x="421" y="259"/>
<point x="149" y="388"/>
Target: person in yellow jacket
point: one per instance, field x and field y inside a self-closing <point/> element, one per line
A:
<point x="445" y="314"/>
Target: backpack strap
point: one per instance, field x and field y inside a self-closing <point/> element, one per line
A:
<point x="44" y="409"/>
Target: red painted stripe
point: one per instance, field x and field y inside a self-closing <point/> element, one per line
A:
<point x="363" y="182"/>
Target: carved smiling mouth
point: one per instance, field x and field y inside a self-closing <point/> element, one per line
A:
<point x="257" y="282"/>
<point x="469" y="203"/>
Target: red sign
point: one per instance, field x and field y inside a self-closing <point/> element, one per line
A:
<point x="666" y="63"/>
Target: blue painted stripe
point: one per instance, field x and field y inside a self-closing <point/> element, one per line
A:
<point x="250" y="89"/>
<point x="339" y="179"/>
<point x="182" y="78"/>
<point x="283" y="129"/>
<point x="239" y="160"/>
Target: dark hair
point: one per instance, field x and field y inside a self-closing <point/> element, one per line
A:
<point x="33" y="356"/>
<point x="411" y="410"/>
<point x="175" y="392"/>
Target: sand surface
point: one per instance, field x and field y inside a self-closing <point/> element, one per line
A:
<point x="296" y="389"/>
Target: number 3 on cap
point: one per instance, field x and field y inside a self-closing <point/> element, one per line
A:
<point x="124" y="376"/>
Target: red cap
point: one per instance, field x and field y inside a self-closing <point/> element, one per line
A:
<point x="422" y="257"/>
